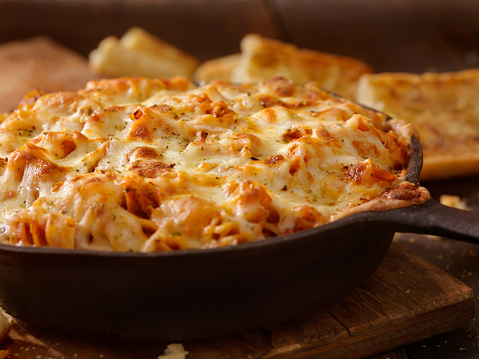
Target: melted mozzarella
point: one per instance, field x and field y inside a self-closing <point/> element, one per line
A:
<point x="148" y="165"/>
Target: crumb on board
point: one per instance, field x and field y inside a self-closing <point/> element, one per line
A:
<point x="174" y="351"/>
<point x="454" y="201"/>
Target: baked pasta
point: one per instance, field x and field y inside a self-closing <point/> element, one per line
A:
<point x="137" y="164"/>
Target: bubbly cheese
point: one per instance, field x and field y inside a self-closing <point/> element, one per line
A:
<point x="136" y="164"/>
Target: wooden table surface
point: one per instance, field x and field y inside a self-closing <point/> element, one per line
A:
<point x="391" y="35"/>
<point x="459" y="259"/>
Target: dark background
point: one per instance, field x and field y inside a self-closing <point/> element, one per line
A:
<point x="391" y="35"/>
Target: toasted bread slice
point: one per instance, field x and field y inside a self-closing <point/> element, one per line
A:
<point x="220" y="68"/>
<point x="339" y="74"/>
<point x="139" y="53"/>
<point x="141" y="40"/>
<point x="262" y="58"/>
<point x="444" y="107"/>
<point x="39" y="62"/>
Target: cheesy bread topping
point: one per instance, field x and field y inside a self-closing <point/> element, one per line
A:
<point x="262" y="58"/>
<point x="443" y="107"/>
<point x="137" y="164"/>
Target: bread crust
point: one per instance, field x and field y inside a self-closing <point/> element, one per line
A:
<point x="263" y="58"/>
<point x="444" y="109"/>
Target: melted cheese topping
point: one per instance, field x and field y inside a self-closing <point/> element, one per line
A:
<point x="136" y="164"/>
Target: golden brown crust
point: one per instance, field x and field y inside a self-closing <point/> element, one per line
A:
<point x="216" y="69"/>
<point x="442" y="107"/>
<point x="261" y="59"/>
<point x="140" y="53"/>
<point x="339" y="74"/>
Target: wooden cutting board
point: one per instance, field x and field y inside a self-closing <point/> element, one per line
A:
<point x="406" y="300"/>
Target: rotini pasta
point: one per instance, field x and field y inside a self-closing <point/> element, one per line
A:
<point x="137" y="164"/>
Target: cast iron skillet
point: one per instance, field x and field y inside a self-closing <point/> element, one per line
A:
<point x="194" y="294"/>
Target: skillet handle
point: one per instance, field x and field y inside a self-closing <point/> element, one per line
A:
<point x="435" y="218"/>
